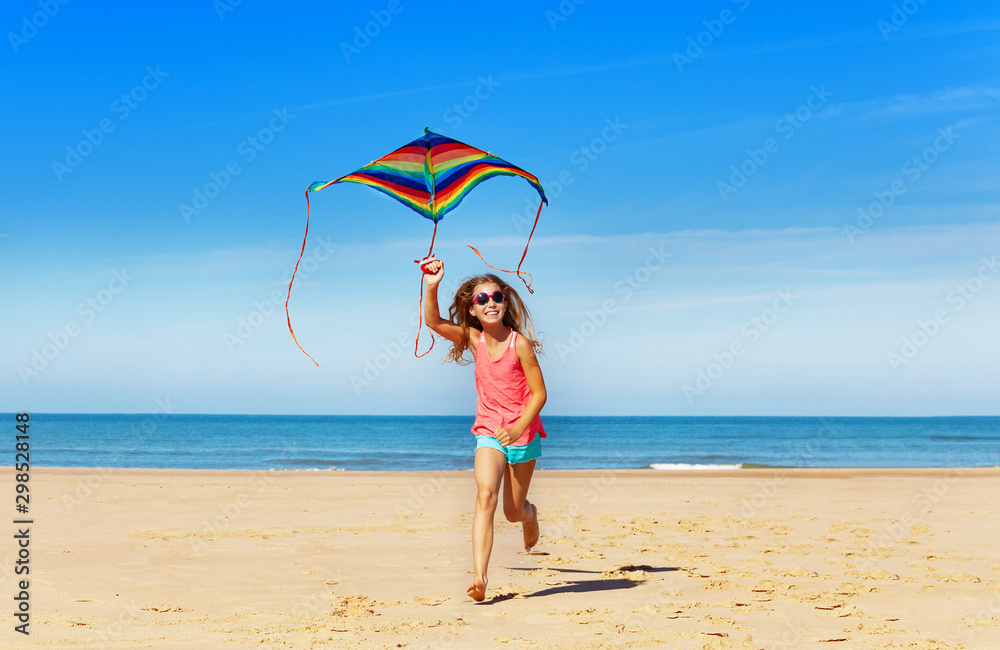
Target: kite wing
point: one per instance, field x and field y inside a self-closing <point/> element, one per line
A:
<point x="432" y="174"/>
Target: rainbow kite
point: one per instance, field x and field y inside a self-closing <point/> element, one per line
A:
<point x="431" y="176"/>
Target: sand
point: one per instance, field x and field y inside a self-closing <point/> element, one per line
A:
<point x="630" y="559"/>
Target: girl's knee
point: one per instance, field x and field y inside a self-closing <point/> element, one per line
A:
<point x="486" y="499"/>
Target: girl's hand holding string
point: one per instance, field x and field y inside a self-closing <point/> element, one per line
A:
<point x="434" y="273"/>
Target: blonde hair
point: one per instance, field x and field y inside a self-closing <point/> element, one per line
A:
<point x="515" y="316"/>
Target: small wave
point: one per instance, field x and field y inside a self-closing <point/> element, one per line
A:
<point x="303" y="463"/>
<point x="677" y="466"/>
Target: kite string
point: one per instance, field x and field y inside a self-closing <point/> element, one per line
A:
<point x="301" y="253"/>
<point x="519" y="272"/>
<point x="420" y="316"/>
<point x="430" y="251"/>
<point x="528" y="243"/>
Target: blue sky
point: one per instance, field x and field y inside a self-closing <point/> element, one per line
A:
<point x="755" y="208"/>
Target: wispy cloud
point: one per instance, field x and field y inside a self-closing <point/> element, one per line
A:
<point x="370" y="98"/>
<point x="570" y="71"/>
<point x="942" y="30"/>
<point x="842" y="40"/>
<point x="858" y="37"/>
<point x="901" y="106"/>
<point x="948" y="100"/>
<point x="714" y="129"/>
<point x="358" y="99"/>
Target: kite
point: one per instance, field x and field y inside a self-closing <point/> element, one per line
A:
<point x="431" y="176"/>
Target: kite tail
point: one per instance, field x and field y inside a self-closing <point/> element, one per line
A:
<point x="528" y="243"/>
<point x="302" y="252"/>
<point x="519" y="272"/>
<point x="430" y="258"/>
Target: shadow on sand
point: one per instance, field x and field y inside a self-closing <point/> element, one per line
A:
<point x="583" y="586"/>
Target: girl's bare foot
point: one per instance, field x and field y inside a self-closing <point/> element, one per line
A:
<point x="477" y="590"/>
<point x="530" y="529"/>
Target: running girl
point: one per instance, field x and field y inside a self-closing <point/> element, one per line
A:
<point x="488" y="319"/>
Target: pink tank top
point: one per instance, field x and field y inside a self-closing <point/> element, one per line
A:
<point x="502" y="393"/>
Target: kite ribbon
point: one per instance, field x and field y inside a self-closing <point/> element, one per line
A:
<point x="523" y="255"/>
<point x="302" y="252"/>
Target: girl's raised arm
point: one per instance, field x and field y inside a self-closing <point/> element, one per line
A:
<point x="432" y="313"/>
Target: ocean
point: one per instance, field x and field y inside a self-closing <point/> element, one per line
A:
<point x="407" y="443"/>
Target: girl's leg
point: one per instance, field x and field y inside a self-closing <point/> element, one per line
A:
<point x="489" y="473"/>
<point x="516" y="506"/>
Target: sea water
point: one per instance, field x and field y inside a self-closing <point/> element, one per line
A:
<point x="445" y="442"/>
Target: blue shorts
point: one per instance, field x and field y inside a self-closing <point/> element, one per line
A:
<point x="514" y="455"/>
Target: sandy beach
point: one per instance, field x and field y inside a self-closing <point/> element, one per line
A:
<point x="633" y="559"/>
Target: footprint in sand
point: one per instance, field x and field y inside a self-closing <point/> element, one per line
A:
<point x="845" y="610"/>
<point x="858" y="529"/>
<point x="732" y="605"/>
<point x="162" y="609"/>
<point x="589" y="555"/>
<point x="955" y="577"/>
<point x="733" y="572"/>
<point x="796" y="572"/>
<point x="541" y="572"/>
<point x="878" y="574"/>
<point x="773" y="586"/>
<point x="872" y="628"/>
<point x="722" y="621"/>
<point x="355" y="607"/>
<point x="507" y="595"/>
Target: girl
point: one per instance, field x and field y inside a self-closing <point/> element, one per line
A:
<point x="488" y="319"/>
